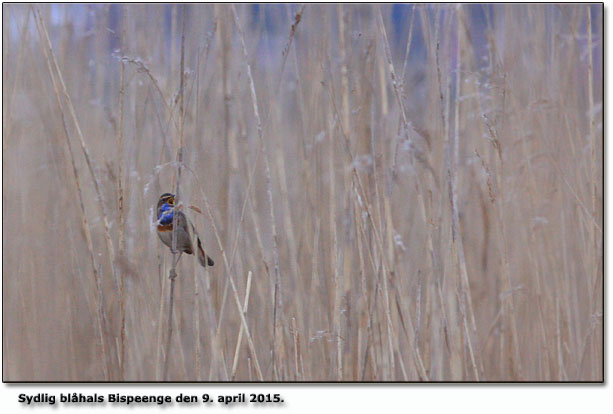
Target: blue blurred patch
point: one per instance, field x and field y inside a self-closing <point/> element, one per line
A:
<point x="166" y="215"/>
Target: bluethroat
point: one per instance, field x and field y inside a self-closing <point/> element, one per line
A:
<point x="185" y="230"/>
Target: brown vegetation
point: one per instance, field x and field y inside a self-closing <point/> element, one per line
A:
<point x="389" y="194"/>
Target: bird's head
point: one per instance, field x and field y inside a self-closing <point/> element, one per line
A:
<point x="166" y="198"/>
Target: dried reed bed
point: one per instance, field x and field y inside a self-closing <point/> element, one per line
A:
<point x="390" y="193"/>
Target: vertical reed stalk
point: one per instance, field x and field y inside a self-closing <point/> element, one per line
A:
<point x="120" y="201"/>
<point x="458" y="249"/>
<point x="278" y="296"/>
<point x="101" y="315"/>
<point x="176" y="255"/>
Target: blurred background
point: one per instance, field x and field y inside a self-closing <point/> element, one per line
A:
<point x="389" y="192"/>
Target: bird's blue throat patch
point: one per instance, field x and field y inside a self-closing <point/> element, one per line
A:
<point x="166" y="215"/>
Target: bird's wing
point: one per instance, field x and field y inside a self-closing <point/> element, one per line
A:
<point x="183" y="222"/>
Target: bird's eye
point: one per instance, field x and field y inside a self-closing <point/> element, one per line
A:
<point x="171" y="201"/>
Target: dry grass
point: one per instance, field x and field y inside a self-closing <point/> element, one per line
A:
<point x="390" y="194"/>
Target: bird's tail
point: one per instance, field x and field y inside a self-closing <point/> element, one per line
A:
<point x="202" y="256"/>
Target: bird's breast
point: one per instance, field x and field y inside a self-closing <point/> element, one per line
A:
<point x="164" y="227"/>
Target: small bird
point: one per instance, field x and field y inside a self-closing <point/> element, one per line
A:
<point x="165" y="213"/>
